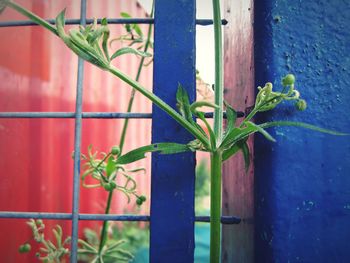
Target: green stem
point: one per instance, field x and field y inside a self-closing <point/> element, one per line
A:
<point x="133" y="91"/>
<point x="161" y="104"/>
<point x="215" y="205"/>
<point x="219" y="81"/>
<point x="123" y="134"/>
<point x="249" y="116"/>
<point x="216" y="155"/>
<point x="103" y="238"/>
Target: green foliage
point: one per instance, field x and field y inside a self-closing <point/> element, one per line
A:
<point x="105" y="170"/>
<point x="129" y="236"/>
<point x="301" y="125"/>
<point x="162" y="148"/>
<point x="111" y="252"/>
<point x="129" y="50"/>
<point x="133" y="27"/>
<point x="48" y="252"/>
<point x="135" y="236"/>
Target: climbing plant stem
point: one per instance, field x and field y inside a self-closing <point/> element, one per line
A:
<point x="216" y="155"/>
<point x="133" y="91"/>
<point x="219" y="80"/>
<point x="104" y="230"/>
<point x="103" y="237"/>
<point x="161" y="104"/>
<point x="215" y="206"/>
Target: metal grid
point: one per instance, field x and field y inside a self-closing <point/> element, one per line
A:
<point x="78" y="115"/>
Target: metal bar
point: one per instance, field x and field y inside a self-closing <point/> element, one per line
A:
<point x="201" y="22"/>
<point x="226" y="220"/>
<point x="77" y="146"/>
<point x="59" y="216"/>
<point x="88" y="115"/>
<point x="103" y="217"/>
<point x="71" y="115"/>
<point x="173" y="176"/>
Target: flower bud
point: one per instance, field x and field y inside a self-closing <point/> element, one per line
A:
<point x="24" y="248"/>
<point x="288" y="80"/>
<point x="110" y="186"/>
<point x="139" y="201"/>
<point x="115" y="150"/>
<point x="301" y="105"/>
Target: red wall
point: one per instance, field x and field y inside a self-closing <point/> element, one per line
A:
<point x="38" y="73"/>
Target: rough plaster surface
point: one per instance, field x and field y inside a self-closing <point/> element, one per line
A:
<point x="303" y="180"/>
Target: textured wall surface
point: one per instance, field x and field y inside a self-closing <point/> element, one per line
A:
<point x="303" y="180"/>
<point x="238" y="185"/>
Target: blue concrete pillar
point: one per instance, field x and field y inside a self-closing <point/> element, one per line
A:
<point x="303" y="181"/>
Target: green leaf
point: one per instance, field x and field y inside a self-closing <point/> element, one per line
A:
<point x="125" y="15"/>
<point x="163" y="148"/>
<point x="105" y="44"/>
<point x="230" y="152"/>
<point x="137" y="29"/>
<point x="183" y="103"/>
<point x="239" y="146"/>
<point x="262" y="131"/>
<point x="231" y="115"/>
<point x="302" y="125"/>
<point x="129" y="50"/>
<point x="77" y="42"/>
<point x="86" y="245"/>
<point x="104" y="21"/>
<point x="115" y="244"/>
<point x="246" y="154"/>
<point x="199" y="128"/>
<point x="238" y="134"/>
<point x="58" y="235"/>
<point x="110" y="167"/>
<point x="128" y="27"/>
<point x="198" y="104"/>
<point x="60" y="23"/>
<point x="212" y="136"/>
<point x="232" y="136"/>
<point x="82" y="48"/>
<point x="97" y="34"/>
<point x="136" y="41"/>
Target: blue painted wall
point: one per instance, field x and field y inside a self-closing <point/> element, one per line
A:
<point x="303" y="180"/>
